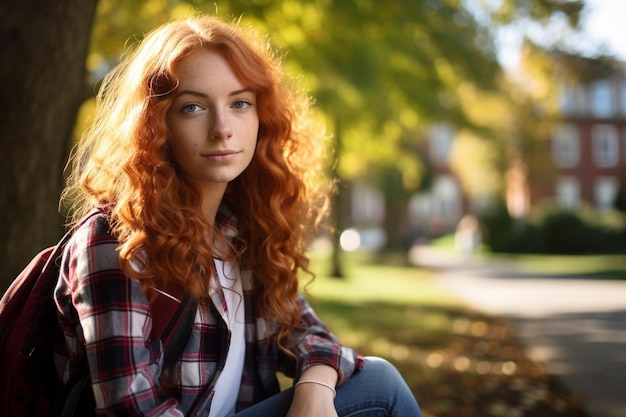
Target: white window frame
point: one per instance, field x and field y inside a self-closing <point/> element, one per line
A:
<point x="604" y="191"/>
<point x="572" y="99"/>
<point x="567" y="192"/>
<point x="605" y="145"/>
<point x="601" y="102"/>
<point x="566" y="146"/>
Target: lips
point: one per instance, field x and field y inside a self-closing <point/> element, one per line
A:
<point x="221" y="156"/>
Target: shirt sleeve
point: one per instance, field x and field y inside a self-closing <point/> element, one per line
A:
<point x="114" y="317"/>
<point x="318" y="346"/>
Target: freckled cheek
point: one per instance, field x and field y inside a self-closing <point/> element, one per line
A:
<point x="182" y="147"/>
<point x="183" y="140"/>
<point x="185" y="149"/>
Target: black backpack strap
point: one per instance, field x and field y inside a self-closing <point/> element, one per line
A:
<point x="176" y="334"/>
<point x="76" y="396"/>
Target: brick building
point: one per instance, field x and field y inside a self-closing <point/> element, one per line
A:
<point x="588" y="146"/>
<point x="582" y="161"/>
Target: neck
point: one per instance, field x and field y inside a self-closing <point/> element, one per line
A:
<point x="211" y="200"/>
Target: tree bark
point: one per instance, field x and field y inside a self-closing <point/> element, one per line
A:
<point x="396" y="221"/>
<point x="337" y="209"/>
<point x="44" y="46"/>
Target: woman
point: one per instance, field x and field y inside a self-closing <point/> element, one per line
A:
<point x="201" y="166"/>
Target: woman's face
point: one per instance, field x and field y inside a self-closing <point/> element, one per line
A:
<point x="212" y="122"/>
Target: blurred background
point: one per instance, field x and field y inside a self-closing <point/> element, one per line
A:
<point x="463" y="132"/>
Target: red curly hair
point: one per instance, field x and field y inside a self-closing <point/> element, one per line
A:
<point x="123" y="164"/>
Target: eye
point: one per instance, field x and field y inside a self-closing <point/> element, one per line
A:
<point x="191" y="108"/>
<point x="241" y="104"/>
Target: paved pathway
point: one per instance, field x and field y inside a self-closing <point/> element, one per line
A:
<point x="577" y="327"/>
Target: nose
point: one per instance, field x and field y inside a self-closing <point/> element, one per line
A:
<point x="221" y="126"/>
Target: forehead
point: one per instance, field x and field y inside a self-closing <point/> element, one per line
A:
<point x="205" y="66"/>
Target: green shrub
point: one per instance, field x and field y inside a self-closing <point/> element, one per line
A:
<point x="553" y="229"/>
<point x="501" y="233"/>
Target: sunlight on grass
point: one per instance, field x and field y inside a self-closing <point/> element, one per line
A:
<point x="366" y="281"/>
<point x="602" y="266"/>
<point x="393" y="311"/>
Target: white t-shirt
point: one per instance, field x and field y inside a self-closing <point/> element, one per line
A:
<point x="229" y="381"/>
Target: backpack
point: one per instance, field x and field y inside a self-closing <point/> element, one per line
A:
<point x="29" y="386"/>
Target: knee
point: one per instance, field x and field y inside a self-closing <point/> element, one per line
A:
<point x="380" y="365"/>
<point x="383" y="381"/>
<point x="382" y="370"/>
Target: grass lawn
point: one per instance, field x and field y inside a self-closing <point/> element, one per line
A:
<point x="596" y="266"/>
<point x="457" y="361"/>
<point x="607" y="266"/>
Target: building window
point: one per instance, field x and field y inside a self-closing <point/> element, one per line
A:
<point x="605" y="145"/>
<point x="601" y="100"/>
<point x="440" y="143"/>
<point x="566" y="146"/>
<point x="605" y="190"/>
<point x="567" y="190"/>
<point x="572" y="100"/>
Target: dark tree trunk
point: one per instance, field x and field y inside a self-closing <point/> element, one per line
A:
<point x="336" y="263"/>
<point x="396" y="221"/>
<point x="338" y="209"/>
<point x="43" y="47"/>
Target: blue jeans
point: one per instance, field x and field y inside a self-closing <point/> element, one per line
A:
<point x="378" y="390"/>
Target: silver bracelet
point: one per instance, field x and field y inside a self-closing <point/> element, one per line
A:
<point x="310" y="381"/>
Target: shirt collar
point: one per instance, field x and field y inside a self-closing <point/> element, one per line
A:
<point x="226" y="221"/>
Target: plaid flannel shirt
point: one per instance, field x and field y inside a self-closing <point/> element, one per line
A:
<point x="106" y="321"/>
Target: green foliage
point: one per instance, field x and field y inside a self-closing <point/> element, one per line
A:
<point x="620" y="199"/>
<point x="501" y="233"/>
<point x="562" y="231"/>
<point x="539" y="10"/>
<point x="379" y="73"/>
<point x="554" y="230"/>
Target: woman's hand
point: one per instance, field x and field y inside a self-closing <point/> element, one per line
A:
<point x="315" y="400"/>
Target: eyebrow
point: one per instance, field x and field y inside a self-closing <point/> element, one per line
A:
<point x="199" y="94"/>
